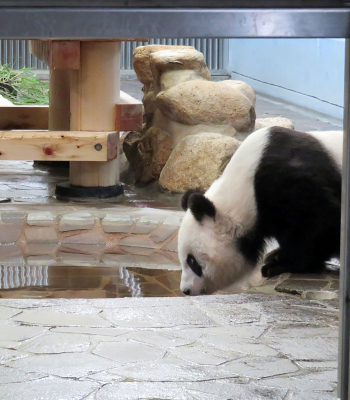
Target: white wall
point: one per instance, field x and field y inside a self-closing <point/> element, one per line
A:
<point x="305" y="72"/>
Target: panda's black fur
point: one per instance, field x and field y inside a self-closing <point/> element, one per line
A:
<point x="297" y="188"/>
<point x="298" y="195"/>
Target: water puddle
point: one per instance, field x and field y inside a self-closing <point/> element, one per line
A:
<point x="71" y="282"/>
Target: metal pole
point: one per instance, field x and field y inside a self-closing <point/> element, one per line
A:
<point x="344" y="329"/>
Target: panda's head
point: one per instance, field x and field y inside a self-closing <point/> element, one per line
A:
<point x="207" y="247"/>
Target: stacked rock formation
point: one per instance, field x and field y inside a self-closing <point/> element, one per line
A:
<point x="189" y="121"/>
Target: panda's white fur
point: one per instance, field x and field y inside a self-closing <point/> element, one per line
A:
<point x="213" y="241"/>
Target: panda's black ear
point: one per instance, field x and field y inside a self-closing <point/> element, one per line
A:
<point x="186" y="196"/>
<point x="201" y="207"/>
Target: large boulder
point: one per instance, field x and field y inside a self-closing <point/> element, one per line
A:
<point x="243" y="87"/>
<point x="149" y="103"/>
<point x="197" y="161"/>
<point x="126" y="171"/>
<point x="274" y="121"/>
<point x="161" y="67"/>
<point x="130" y="142"/>
<point x="171" y="67"/>
<point x="205" y="102"/>
<point x="147" y="153"/>
<point x="178" y="131"/>
<point x="141" y="60"/>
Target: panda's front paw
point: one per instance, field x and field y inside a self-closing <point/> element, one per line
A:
<point x="271" y="270"/>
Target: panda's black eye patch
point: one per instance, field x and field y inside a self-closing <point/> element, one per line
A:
<point x="193" y="264"/>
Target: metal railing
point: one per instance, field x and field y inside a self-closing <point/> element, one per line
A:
<point x="16" y="52"/>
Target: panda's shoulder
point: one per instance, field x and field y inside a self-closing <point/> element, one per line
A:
<point x="295" y="152"/>
<point x="284" y="142"/>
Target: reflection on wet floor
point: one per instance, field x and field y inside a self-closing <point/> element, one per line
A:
<point x="86" y="282"/>
<point x="73" y="282"/>
<point x="25" y="182"/>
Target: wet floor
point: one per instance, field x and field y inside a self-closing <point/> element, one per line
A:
<point x="78" y="282"/>
<point x="21" y="282"/>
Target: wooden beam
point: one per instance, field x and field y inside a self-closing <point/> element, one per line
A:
<point x="94" y="92"/>
<point x="58" y="146"/>
<point x="59" y="111"/>
<point x="57" y="54"/>
<point x="24" y="117"/>
<point x="129" y="114"/>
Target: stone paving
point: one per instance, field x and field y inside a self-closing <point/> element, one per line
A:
<point x="240" y="347"/>
<point x="120" y="236"/>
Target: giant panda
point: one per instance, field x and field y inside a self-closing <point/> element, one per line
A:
<point x="280" y="184"/>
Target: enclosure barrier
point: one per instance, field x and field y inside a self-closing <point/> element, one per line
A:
<point x="200" y="18"/>
<point x="16" y="53"/>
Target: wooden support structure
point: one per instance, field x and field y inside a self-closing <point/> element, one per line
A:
<point x="24" y="117"/>
<point x="128" y="114"/>
<point x="57" y="54"/>
<point x="87" y="111"/>
<point x="95" y="91"/>
<point x="58" y="146"/>
<point x="59" y="112"/>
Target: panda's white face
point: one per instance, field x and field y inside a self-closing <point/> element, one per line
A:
<point x="208" y="254"/>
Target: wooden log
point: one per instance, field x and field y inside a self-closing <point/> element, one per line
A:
<point x="57" y="54"/>
<point x="59" y="110"/>
<point x="59" y="146"/>
<point x="24" y="117"/>
<point x="95" y="91"/>
<point x="129" y="113"/>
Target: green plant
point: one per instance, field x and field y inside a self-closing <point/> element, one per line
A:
<point x="22" y="86"/>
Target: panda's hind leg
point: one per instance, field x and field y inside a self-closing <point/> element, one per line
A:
<point x="295" y="257"/>
<point x="275" y="263"/>
<point x="272" y="264"/>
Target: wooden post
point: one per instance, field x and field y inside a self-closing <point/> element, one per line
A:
<point x="59" y="110"/>
<point x="94" y="93"/>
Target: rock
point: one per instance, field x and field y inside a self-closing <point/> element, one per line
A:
<point x="148" y="154"/>
<point x="121" y="140"/>
<point x="141" y="60"/>
<point x="130" y="143"/>
<point x="178" y="131"/>
<point x="172" y="78"/>
<point x="149" y="103"/>
<point x="4" y="102"/>
<point x="126" y="171"/>
<point x="197" y="161"/>
<point x="161" y="67"/>
<point x="171" y="67"/>
<point x="204" y="102"/>
<point x="247" y="90"/>
<point x="275" y="121"/>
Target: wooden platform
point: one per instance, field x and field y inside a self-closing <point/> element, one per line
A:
<point x="58" y="146"/>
